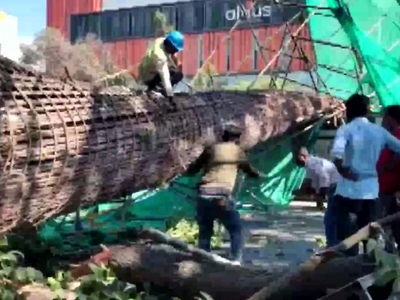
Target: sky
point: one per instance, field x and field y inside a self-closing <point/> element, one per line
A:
<point x="31" y="16"/>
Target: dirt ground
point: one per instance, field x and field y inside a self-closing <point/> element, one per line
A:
<point x="287" y="237"/>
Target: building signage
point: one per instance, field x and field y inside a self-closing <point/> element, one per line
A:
<point x="263" y="11"/>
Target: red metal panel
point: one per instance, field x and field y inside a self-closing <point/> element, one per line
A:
<point x="241" y="51"/>
<point x="190" y="54"/>
<point x="215" y="41"/>
<point x="220" y="55"/>
<point x="247" y="51"/>
<point x="89" y="6"/>
<point x="234" y="52"/>
<point x="263" y="39"/>
<point x="299" y="64"/>
<point x="207" y="45"/>
<point x="112" y="53"/>
<point x="136" y="50"/>
<point x="273" y="38"/>
<point x="71" y="7"/>
<point x="120" y="53"/>
<point x="49" y="13"/>
<point x="59" y="12"/>
<point x="56" y="14"/>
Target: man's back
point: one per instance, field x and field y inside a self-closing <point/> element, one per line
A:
<point x="360" y="143"/>
<point x="322" y="172"/>
<point x="151" y="63"/>
<point x="222" y="166"/>
<point x="365" y="142"/>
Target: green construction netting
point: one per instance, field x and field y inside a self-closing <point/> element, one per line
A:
<point x="155" y="208"/>
<point x="358" y="41"/>
<point x="356" y="48"/>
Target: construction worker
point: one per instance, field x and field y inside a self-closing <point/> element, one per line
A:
<point x="219" y="164"/>
<point x="160" y="69"/>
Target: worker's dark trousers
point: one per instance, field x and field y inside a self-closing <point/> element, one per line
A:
<point x="207" y="212"/>
<point x="156" y="83"/>
<point x="365" y="211"/>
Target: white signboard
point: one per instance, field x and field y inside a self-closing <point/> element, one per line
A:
<point x="256" y="12"/>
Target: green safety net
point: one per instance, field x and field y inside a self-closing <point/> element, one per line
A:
<point x="113" y="221"/>
<point x="357" y="47"/>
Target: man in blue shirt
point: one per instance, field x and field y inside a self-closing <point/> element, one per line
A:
<point x="355" y="152"/>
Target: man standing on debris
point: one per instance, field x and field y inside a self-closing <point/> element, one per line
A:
<point x="324" y="176"/>
<point x="160" y="69"/>
<point x="388" y="168"/>
<point x="355" y="153"/>
<point x="220" y="164"/>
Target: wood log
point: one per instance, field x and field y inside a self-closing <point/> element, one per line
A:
<point x="186" y="271"/>
<point x="185" y="274"/>
<point x="313" y="280"/>
<point x="63" y="146"/>
<point x="310" y="280"/>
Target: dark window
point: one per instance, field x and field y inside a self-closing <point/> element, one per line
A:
<point x="116" y="24"/>
<point x="199" y="14"/>
<point x="133" y="23"/>
<point x="170" y="13"/>
<point x="107" y="26"/>
<point x="146" y="20"/>
<point x="125" y="25"/>
<point x="94" y="25"/>
<point x="74" y="24"/>
<point x="83" y="27"/>
<point x="185" y="17"/>
<point x="214" y="15"/>
<point x="230" y="13"/>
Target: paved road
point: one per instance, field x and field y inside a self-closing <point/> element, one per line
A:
<point x="285" y="237"/>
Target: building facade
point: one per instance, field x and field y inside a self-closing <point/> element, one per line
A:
<point x="127" y="27"/>
<point x="9" y="44"/>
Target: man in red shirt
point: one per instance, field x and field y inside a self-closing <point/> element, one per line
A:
<point x="388" y="168"/>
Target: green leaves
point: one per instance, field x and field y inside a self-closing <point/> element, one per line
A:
<point x="12" y="275"/>
<point x="388" y="264"/>
<point x="188" y="231"/>
<point x="371" y="245"/>
<point x="100" y="285"/>
<point x="53" y="283"/>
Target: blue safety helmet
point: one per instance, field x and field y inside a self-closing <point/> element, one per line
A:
<point x="176" y="39"/>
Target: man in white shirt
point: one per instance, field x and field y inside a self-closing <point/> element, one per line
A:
<point x="323" y="175"/>
<point x="355" y="152"/>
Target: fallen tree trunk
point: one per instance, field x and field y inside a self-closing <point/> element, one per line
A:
<point x="312" y="280"/>
<point x="62" y="146"/>
<point x="186" y="275"/>
<point x="187" y="271"/>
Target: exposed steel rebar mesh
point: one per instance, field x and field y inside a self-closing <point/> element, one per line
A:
<point x="61" y="147"/>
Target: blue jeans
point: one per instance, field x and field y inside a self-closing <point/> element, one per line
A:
<point x="330" y="219"/>
<point x="207" y="212"/>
